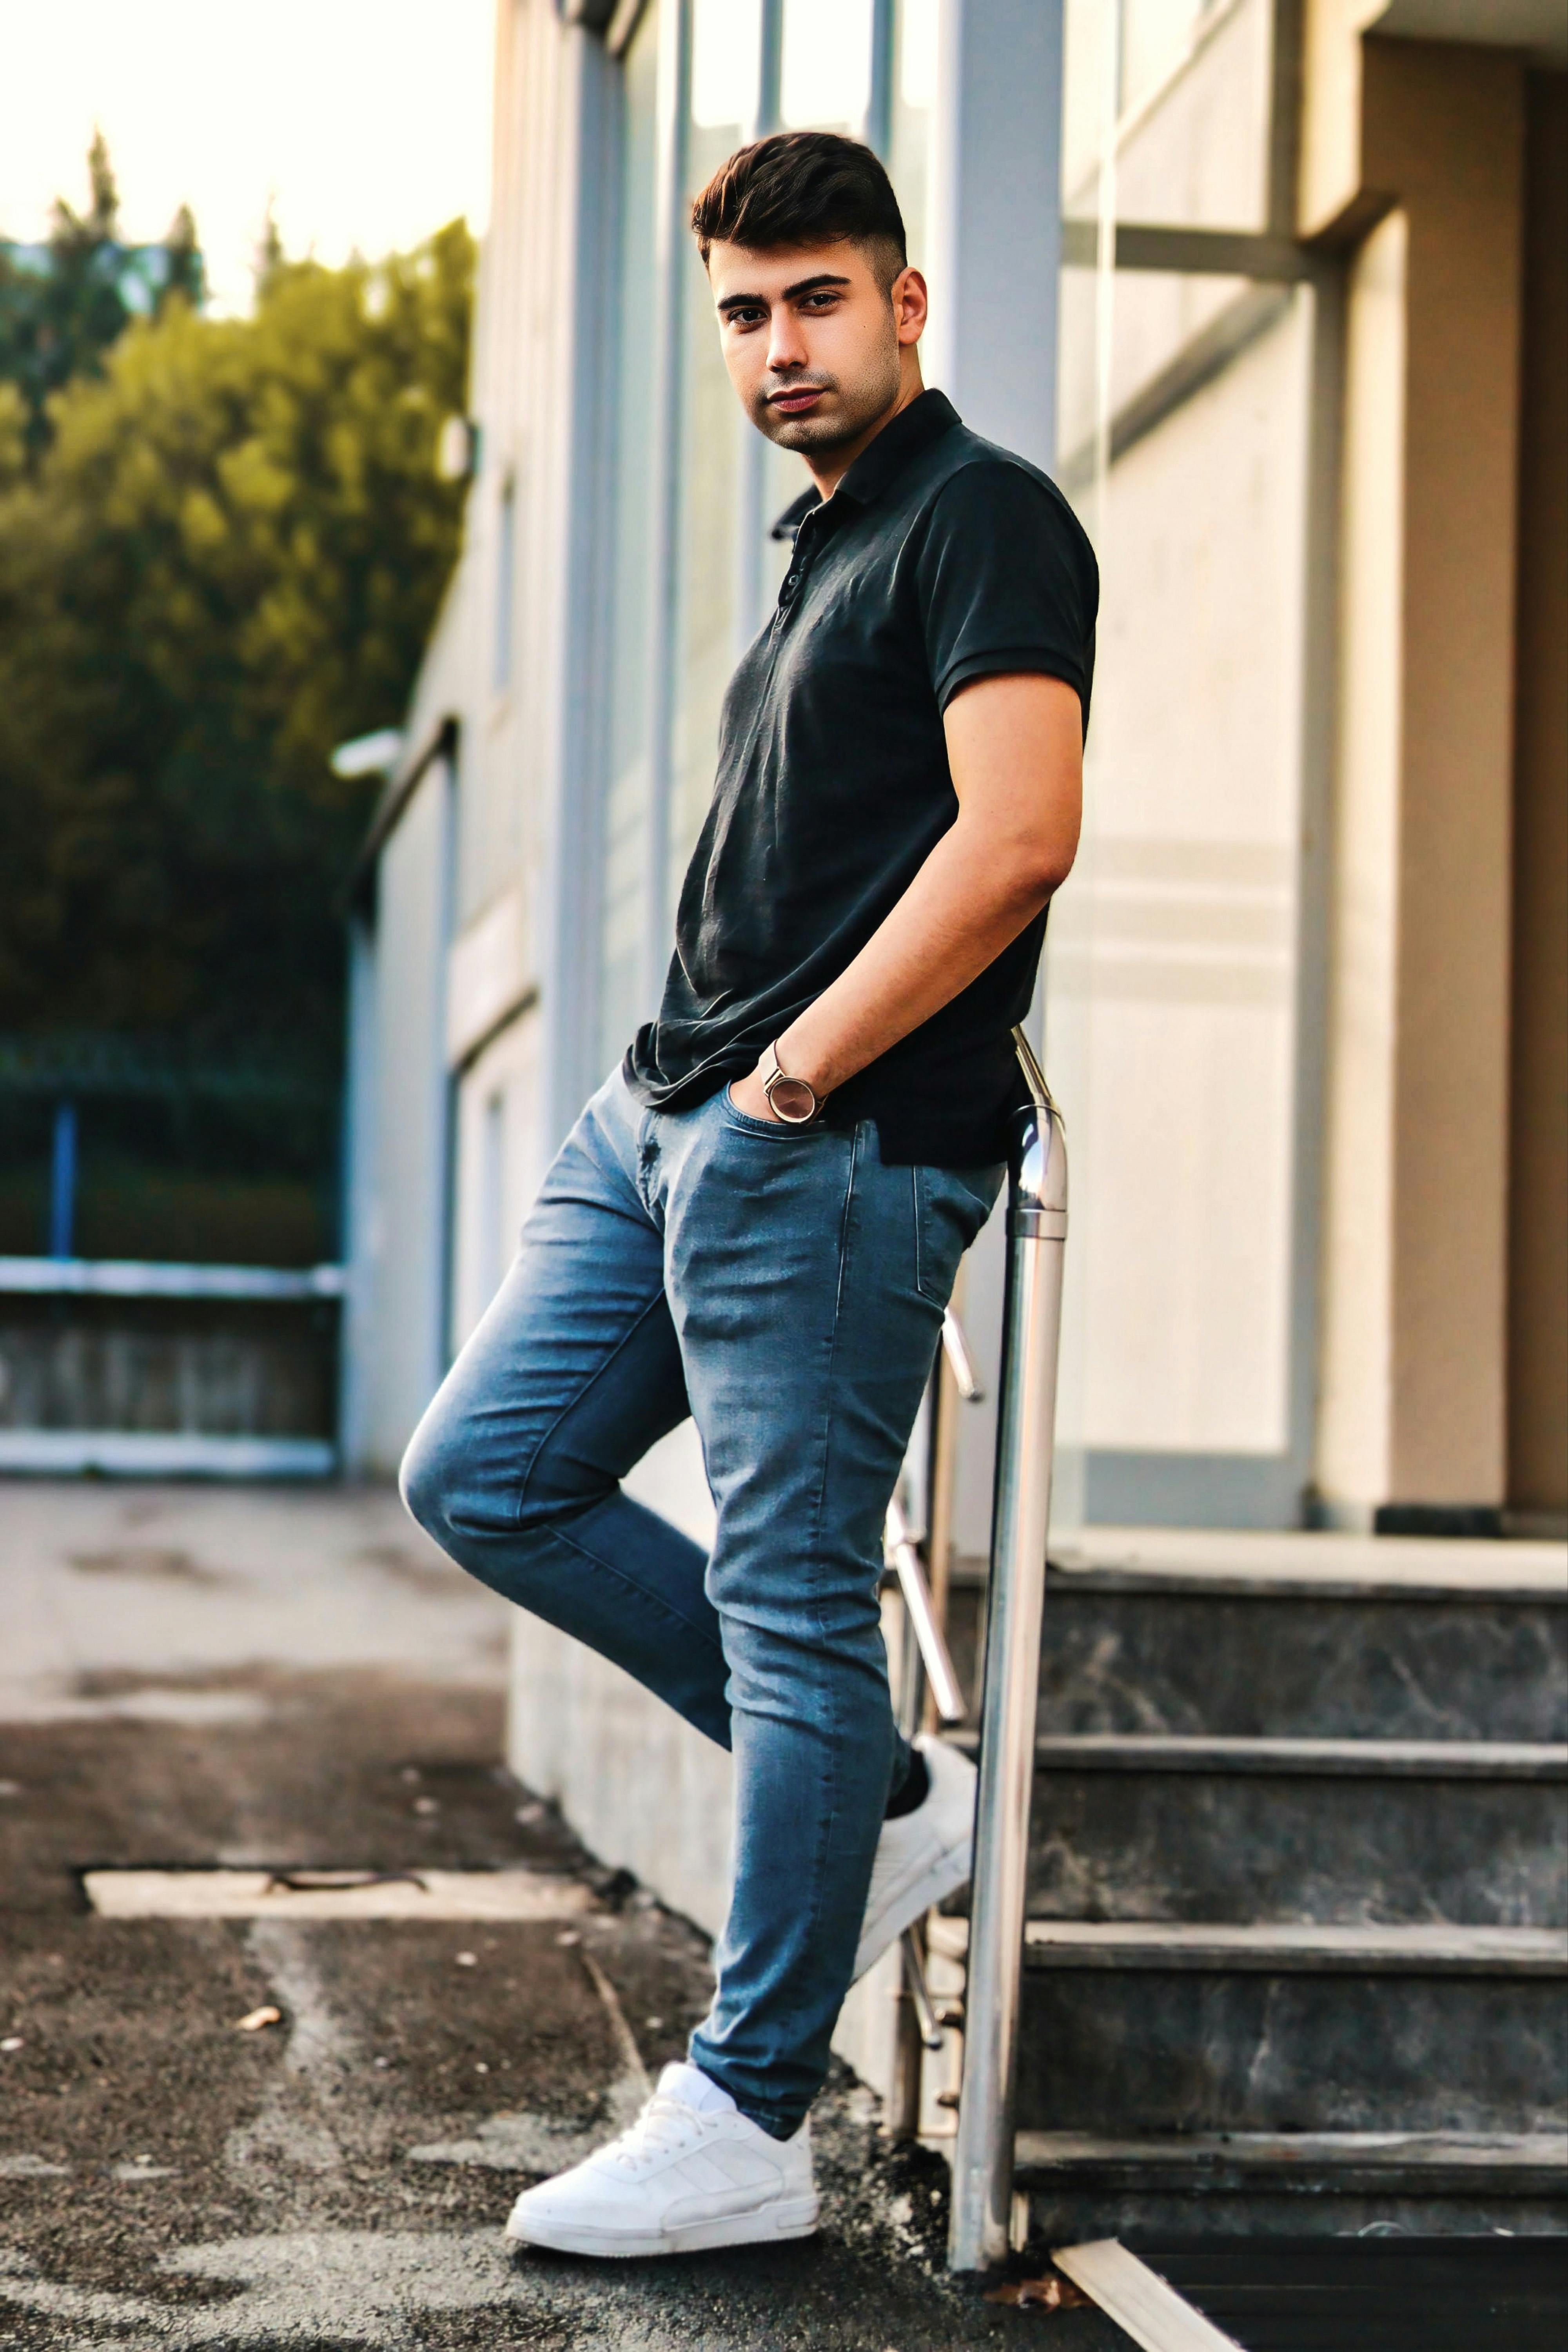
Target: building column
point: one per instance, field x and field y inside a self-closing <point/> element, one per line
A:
<point x="1414" y="1365"/>
<point x="995" y="218"/>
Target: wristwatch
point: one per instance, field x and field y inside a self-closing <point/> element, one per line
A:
<point x="792" y="1100"/>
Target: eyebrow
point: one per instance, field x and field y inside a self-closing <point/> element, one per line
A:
<point x="791" y="293"/>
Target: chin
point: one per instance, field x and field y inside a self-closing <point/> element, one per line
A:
<point x="803" y="433"/>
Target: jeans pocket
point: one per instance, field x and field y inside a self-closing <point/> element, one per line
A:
<point x="950" y="1206"/>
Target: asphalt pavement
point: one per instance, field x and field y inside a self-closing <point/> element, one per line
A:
<point x="294" y="1681"/>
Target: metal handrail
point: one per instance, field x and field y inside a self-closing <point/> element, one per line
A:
<point x="899" y="1553"/>
<point x="1031" y="1329"/>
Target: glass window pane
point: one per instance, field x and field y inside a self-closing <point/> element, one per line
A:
<point x="913" y="98"/>
<point x="1155" y="35"/>
<point x="725" y="66"/>
<point x="1173" y="953"/>
<point x="622" y="953"/>
<point x="726" y="62"/>
<point x="825" y="76"/>
<point x="1190" y="91"/>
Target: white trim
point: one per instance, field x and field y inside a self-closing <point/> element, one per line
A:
<point x="120" y="1277"/>
<point x="1138" y="2299"/>
<point x="163" y="1454"/>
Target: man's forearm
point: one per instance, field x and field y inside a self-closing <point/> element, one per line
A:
<point x="970" y="900"/>
<point x="1016" y="753"/>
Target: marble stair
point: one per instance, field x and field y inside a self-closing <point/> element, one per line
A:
<point x="1298" y="1945"/>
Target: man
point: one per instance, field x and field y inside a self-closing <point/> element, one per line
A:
<point x="757" y="1220"/>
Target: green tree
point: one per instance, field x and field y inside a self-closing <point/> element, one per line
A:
<point x="65" y="304"/>
<point x="227" y="559"/>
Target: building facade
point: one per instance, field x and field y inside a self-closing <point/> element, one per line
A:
<point x="1275" y="286"/>
<point x="1278" y="289"/>
<point x="1279" y="293"/>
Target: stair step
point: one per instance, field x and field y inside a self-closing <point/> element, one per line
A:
<point x="1163" y="1659"/>
<point x="1122" y="1835"/>
<point x="1310" y="1788"/>
<point x="1422" y="1949"/>
<point x="1215" y="2038"/>
<point x="1177" y="1656"/>
<point x="1419" y="1760"/>
<point x="1155" y="1826"/>
<point x="1316" y="1565"/>
<point x="1423" y="2163"/>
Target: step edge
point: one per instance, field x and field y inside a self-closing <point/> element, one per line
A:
<point x="1405" y="1581"/>
<point x="1508" y="2150"/>
<point x="1219" y="1754"/>
<point x="1221" y="1947"/>
<point x="1308" y="2163"/>
<point x="1416" y="1946"/>
<point x="1226" y="1585"/>
<point x="1280" y="1947"/>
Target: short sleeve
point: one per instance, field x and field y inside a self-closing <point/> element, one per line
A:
<point x="1007" y="581"/>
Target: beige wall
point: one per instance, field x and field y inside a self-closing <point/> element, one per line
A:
<point x="1414" y="1375"/>
<point x="1538" y="1239"/>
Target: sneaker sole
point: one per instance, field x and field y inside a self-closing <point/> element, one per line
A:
<point x="935" y="1883"/>
<point x="795" y="2219"/>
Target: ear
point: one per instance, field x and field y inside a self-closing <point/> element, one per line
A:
<point x="911" y="305"/>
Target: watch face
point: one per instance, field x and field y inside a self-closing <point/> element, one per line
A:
<point x="792" y="1101"/>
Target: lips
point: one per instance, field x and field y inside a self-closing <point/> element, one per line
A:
<point x="795" y="403"/>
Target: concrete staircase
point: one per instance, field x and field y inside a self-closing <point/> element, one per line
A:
<point x="1298" y="1920"/>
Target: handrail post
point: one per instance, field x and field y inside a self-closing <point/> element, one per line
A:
<point x="1037" y="1235"/>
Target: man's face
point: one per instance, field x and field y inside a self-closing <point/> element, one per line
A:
<point x="814" y="342"/>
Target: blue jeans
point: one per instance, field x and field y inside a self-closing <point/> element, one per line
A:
<point x="786" y="1289"/>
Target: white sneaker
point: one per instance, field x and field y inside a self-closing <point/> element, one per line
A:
<point x="923" y="1857"/>
<point x="686" y="2176"/>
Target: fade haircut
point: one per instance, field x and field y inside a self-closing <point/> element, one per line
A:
<point x="803" y="187"/>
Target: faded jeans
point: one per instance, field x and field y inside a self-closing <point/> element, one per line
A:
<point x="786" y="1289"/>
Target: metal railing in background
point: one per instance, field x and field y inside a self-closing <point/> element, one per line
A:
<point x="1026" y="1438"/>
<point x="932" y="1654"/>
<point x="927" y="1685"/>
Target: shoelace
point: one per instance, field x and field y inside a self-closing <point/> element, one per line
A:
<point x="660" y="2128"/>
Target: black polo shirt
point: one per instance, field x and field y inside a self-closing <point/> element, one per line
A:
<point x="938" y="559"/>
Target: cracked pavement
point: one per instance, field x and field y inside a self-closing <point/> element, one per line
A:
<point x="294" y="1678"/>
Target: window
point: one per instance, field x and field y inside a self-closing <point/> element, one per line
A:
<point x="824" y="79"/>
<point x="1172" y="105"/>
<point x="912" y="98"/>
<point x="711" y="458"/>
<point x="1173" y="959"/>
<point x="623" y="953"/>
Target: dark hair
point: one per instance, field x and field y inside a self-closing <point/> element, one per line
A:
<point x="802" y="188"/>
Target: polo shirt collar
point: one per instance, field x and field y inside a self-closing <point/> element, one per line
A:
<point x="914" y="429"/>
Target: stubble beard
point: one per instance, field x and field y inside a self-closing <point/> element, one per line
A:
<point x="856" y="409"/>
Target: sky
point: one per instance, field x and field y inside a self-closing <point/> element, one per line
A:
<point x="366" y="122"/>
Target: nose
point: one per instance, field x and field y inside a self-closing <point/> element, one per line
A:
<point x="786" y="344"/>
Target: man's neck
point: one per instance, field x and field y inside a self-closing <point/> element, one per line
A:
<point x="829" y="467"/>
